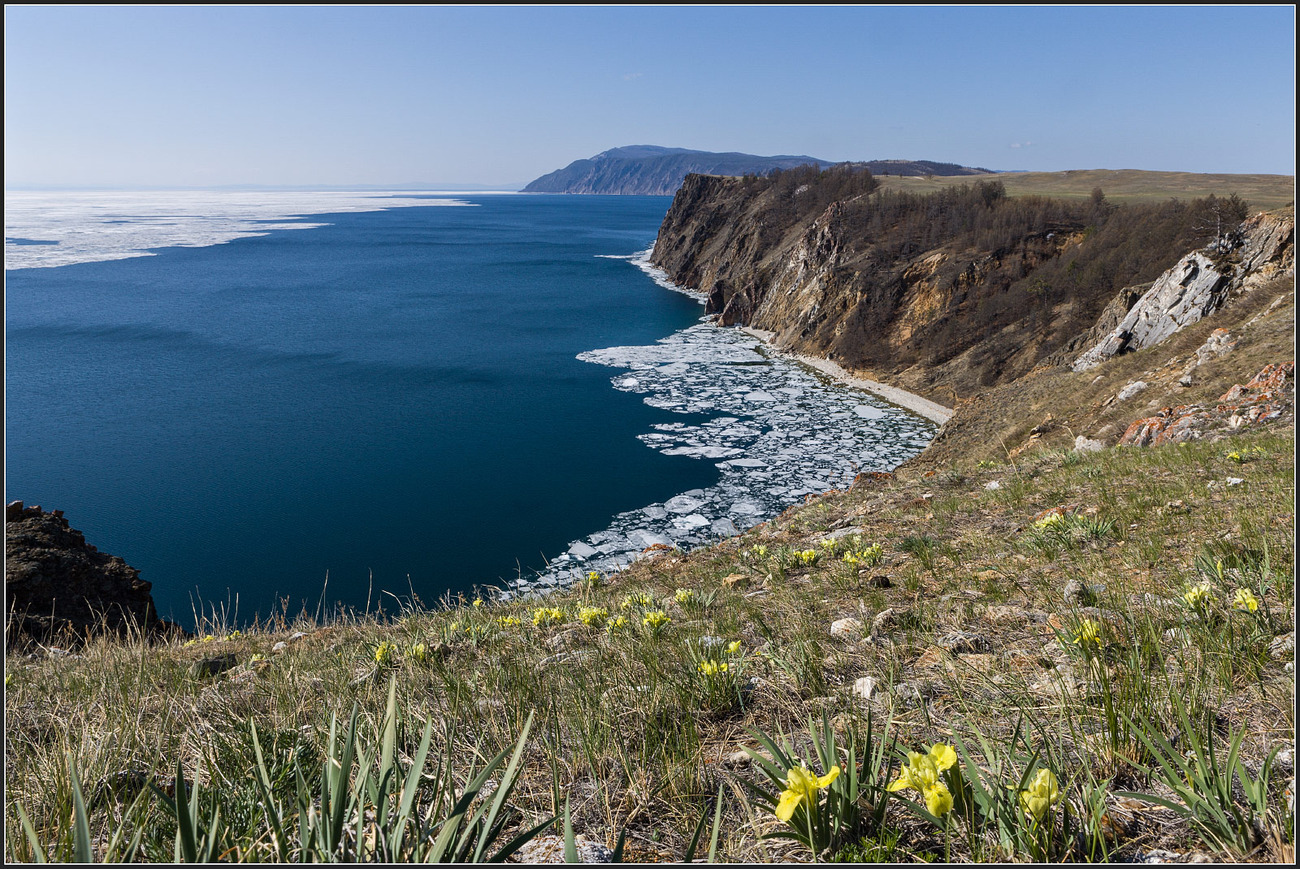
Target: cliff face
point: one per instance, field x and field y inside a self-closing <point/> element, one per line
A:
<point x="1197" y="286"/>
<point x="946" y="295"/>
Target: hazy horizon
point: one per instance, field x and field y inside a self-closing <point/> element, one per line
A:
<point x="490" y="98"/>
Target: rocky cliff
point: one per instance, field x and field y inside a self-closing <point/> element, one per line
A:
<point x="951" y="293"/>
<point x="59" y="588"/>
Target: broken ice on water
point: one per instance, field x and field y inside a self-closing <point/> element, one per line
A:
<point x="776" y="430"/>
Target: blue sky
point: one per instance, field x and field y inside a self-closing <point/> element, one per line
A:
<point x="336" y="95"/>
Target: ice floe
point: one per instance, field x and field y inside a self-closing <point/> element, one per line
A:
<point x="776" y="430"/>
<point x="44" y="229"/>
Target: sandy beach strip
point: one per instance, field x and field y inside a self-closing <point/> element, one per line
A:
<point x="915" y="403"/>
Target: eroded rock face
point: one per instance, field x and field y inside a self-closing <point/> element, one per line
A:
<point x="1196" y="288"/>
<point x="1189" y="291"/>
<point x="59" y="588"/>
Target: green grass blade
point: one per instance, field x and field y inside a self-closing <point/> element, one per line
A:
<point x="187" y="850"/>
<point x="38" y="853"/>
<point x="717" y="825"/>
<point x="617" y="856"/>
<point x="570" y="846"/>
<point x="506" y="786"/>
<point x="82" y="849"/>
<point x="695" y="839"/>
<point x="523" y="839"/>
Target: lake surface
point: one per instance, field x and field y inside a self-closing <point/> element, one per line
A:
<point x="394" y="399"/>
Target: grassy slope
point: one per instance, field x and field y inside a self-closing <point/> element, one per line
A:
<point x="1263" y="192"/>
<point x="632" y="733"/>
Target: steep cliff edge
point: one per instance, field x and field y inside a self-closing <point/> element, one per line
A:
<point x="944" y="294"/>
<point x="59" y="588"/>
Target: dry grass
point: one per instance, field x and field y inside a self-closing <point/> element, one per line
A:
<point x="627" y="730"/>
<point x="1263" y="192"/>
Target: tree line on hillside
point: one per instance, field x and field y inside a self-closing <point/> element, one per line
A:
<point x="1027" y="275"/>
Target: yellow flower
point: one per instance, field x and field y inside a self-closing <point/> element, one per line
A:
<point x="1245" y="600"/>
<point x="420" y="652"/>
<point x="801" y="788"/>
<point x="1088" y="633"/>
<point x="1197" y="595"/>
<point x="684" y="596"/>
<point x="547" y="615"/>
<point x="938" y="799"/>
<point x="656" y="619"/>
<point x="478" y="601"/>
<point x="1050" y="520"/>
<point x="592" y="615"/>
<point x="207" y="638"/>
<point x="922" y="774"/>
<point x="384" y="653"/>
<point x="713" y="668"/>
<point x="1043" y="793"/>
<point x="733" y="647"/>
<point x="593" y="577"/>
<point x="639" y="598"/>
<point x="233" y="635"/>
<point x="508" y="621"/>
<point x="616" y="623"/>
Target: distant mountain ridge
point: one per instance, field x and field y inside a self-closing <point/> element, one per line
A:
<point x="652" y="170"/>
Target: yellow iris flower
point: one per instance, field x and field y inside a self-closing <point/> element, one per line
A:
<point x="385" y="653"/>
<point x="1088" y="633"/>
<point x="1043" y="793"/>
<point x="922" y="774"/>
<point x="801" y="788"/>
<point x="1197" y="595"/>
<point x="1245" y="600"/>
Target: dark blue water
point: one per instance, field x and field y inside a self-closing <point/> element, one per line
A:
<point x="392" y="400"/>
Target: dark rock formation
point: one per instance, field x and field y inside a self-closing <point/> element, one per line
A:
<point x="59" y="588"/>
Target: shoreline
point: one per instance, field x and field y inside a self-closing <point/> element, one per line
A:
<point x="924" y="407"/>
<point x="932" y="411"/>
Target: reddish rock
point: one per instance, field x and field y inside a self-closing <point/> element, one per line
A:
<point x="872" y="476"/>
<point x="1268" y="396"/>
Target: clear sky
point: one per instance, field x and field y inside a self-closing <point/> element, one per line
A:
<point x="135" y="96"/>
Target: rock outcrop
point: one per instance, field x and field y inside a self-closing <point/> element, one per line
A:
<point x="60" y="589"/>
<point x="1268" y="397"/>
<point x="1197" y="286"/>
